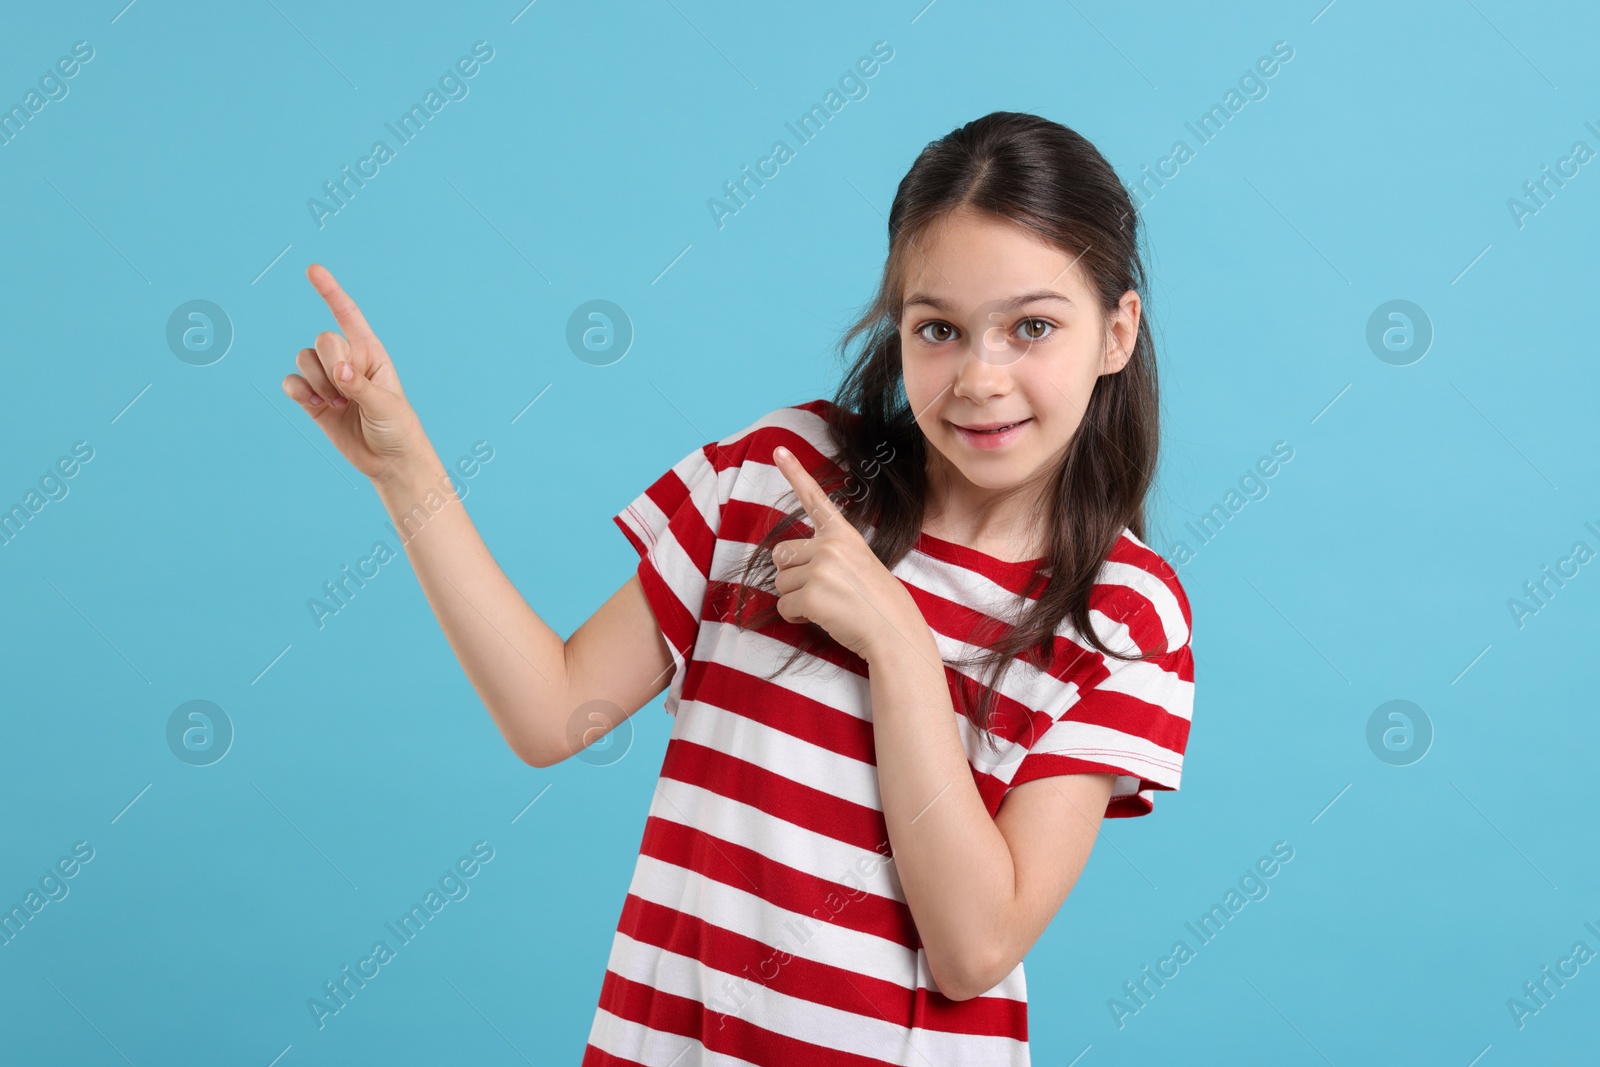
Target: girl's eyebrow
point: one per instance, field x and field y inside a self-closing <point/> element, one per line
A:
<point x="1005" y="305"/>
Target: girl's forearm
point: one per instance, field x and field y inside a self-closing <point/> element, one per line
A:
<point x="514" y="660"/>
<point x="954" y="865"/>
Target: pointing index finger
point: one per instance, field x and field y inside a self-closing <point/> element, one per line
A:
<point x="819" y="507"/>
<point x="344" y="309"/>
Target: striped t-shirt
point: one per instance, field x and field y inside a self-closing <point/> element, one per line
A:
<point x="765" y="923"/>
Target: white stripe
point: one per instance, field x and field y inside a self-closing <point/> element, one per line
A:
<point x="676" y="566"/>
<point x="807" y="424"/>
<point x="1143" y="680"/>
<point x="655" y="1048"/>
<point x="1154" y="684"/>
<point x="759" y="655"/>
<point x="1153" y="589"/>
<point x="808" y="936"/>
<point x="818" y="1024"/>
<point x="959" y="585"/>
<point x="777" y="839"/>
<point x="818" y="679"/>
<point x="832" y="685"/>
<point x="783" y="754"/>
<point x="1102" y="744"/>
<point x="827" y="683"/>
<point x="989" y="753"/>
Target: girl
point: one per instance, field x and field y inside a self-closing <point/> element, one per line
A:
<point x="917" y="646"/>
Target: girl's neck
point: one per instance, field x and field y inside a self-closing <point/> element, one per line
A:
<point x="996" y="522"/>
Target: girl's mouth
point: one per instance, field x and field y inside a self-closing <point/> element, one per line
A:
<point x="998" y="437"/>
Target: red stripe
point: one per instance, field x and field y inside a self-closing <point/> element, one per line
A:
<point x="1133" y="716"/>
<point x="1119" y="807"/>
<point x="956" y="621"/>
<point x="1131" y="806"/>
<point x="1121" y="603"/>
<point x="753" y="967"/>
<point x="1048" y="764"/>
<point x="748" y="696"/>
<point x="722" y="604"/>
<point x="794" y="803"/>
<point x="1146" y="559"/>
<point x="633" y="538"/>
<point x="692" y="528"/>
<point x="594" y="1056"/>
<point x="752" y="697"/>
<point x="678" y="624"/>
<point x="1068" y="660"/>
<point x="1020" y="578"/>
<point x="836" y="731"/>
<point x="842" y="903"/>
<point x="728" y="1035"/>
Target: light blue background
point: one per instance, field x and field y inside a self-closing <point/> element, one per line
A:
<point x="1378" y="567"/>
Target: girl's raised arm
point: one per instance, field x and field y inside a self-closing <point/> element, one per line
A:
<point x="541" y="691"/>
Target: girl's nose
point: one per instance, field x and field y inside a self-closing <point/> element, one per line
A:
<point x="985" y="368"/>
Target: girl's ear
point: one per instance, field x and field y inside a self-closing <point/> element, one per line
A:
<point x="1122" y="333"/>
<point x="1116" y="355"/>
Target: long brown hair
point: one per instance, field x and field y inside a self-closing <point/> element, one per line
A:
<point x="1048" y="178"/>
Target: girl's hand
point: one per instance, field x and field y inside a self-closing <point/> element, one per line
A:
<point x="367" y="418"/>
<point x="834" y="580"/>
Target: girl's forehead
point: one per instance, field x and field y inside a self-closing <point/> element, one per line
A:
<point x="987" y="263"/>
<point x="1056" y="285"/>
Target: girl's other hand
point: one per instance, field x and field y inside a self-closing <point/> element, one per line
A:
<point x="367" y="417"/>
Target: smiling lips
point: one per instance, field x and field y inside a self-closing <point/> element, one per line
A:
<point x="987" y="427"/>
<point x="991" y="435"/>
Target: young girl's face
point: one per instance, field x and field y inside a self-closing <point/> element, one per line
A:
<point x="1000" y="327"/>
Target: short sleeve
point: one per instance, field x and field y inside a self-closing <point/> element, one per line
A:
<point x="1133" y="721"/>
<point x="673" y="526"/>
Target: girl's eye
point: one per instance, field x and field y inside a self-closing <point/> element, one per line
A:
<point x="1029" y="330"/>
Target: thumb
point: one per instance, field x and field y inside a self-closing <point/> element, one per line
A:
<point x="374" y="399"/>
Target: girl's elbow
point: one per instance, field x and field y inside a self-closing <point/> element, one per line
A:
<point x="536" y="756"/>
<point x="517" y="728"/>
<point x="968" y="978"/>
<point x="531" y="752"/>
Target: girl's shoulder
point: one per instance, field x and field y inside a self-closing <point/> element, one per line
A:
<point x="804" y="428"/>
<point x="1138" y="588"/>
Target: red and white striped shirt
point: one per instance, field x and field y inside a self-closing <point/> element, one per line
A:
<point x="765" y="923"/>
